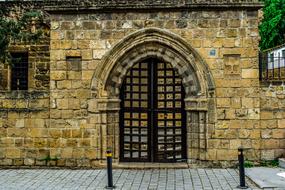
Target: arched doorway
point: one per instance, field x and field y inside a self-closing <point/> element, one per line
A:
<point x="197" y="80"/>
<point x="152" y="114"/>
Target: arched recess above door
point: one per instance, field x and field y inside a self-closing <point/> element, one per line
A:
<point x="156" y="43"/>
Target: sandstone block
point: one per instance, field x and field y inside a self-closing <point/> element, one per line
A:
<point x="223" y="102"/>
<point x="235" y="144"/>
<point x="73" y="53"/>
<point x="244" y="133"/>
<point x="250" y="73"/>
<point x="74" y="75"/>
<point x="223" y="154"/>
<point x="281" y="123"/>
<point x="211" y="154"/>
<point x="66" y="44"/>
<point x="6" y="162"/>
<point x="98" y="53"/>
<point x="254" y="113"/>
<point x="66" y="25"/>
<point x="255" y="134"/>
<point x="20" y="123"/>
<point x="229" y="42"/>
<point x="64" y="84"/>
<point x="236" y="124"/>
<point x="29" y="161"/>
<point x="87" y="54"/>
<point x="13" y="153"/>
<point x="266" y="134"/>
<point x="236" y="103"/>
<point x="37" y="132"/>
<point x="16" y="132"/>
<point x="56" y="35"/>
<point x="18" y="162"/>
<point x="83" y="44"/>
<point x="58" y="75"/>
<point x="78" y="153"/>
<point x="54" y="25"/>
<point x="62" y="103"/>
<point x="87" y="75"/>
<point x="222" y="125"/>
<point x="267" y="154"/>
<point x="266" y="115"/>
<point x="74" y="104"/>
<point x="67" y="114"/>
<point x="278" y="133"/>
<point x="87" y="25"/>
<point x="76" y="133"/>
<point x="55" y="133"/>
<point x="56" y="55"/>
<point x="270" y="124"/>
<point x="66" y="152"/>
<point x="97" y="44"/>
<point x="271" y="144"/>
<point x="90" y="153"/>
<point x="196" y="43"/>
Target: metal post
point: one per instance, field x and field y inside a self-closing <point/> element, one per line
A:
<point x="241" y="169"/>
<point x="109" y="170"/>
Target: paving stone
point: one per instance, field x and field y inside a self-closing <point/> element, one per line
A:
<point x="164" y="179"/>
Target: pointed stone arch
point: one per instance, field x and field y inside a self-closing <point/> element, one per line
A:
<point x="168" y="47"/>
<point x="158" y="43"/>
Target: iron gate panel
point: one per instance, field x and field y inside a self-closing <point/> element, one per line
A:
<point x="152" y="116"/>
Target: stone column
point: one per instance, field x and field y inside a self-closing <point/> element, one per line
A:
<point x="197" y="120"/>
<point x="109" y="128"/>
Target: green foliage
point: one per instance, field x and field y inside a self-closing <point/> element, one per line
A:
<point x="269" y="163"/>
<point x="48" y="158"/>
<point x="262" y="163"/>
<point x="18" y="29"/>
<point x="248" y="164"/>
<point x="272" y="27"/>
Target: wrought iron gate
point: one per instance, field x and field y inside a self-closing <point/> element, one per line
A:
<point x="152" y="116"/>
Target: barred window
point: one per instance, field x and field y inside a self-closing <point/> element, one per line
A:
<point x="19" y="71"/>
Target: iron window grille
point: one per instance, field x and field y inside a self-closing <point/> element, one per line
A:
<point x="19" y="71"/>
<point x="272" y="67"/>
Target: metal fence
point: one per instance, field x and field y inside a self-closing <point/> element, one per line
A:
<point x="271" y="68"/>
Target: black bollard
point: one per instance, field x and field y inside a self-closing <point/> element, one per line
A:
<point x="109" y="170"/>
<point x="241" y="169"/>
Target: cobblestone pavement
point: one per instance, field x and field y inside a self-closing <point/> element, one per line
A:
<point x="198" y="179"/>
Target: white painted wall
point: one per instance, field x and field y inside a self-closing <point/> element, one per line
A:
<point x="278" y="59"/>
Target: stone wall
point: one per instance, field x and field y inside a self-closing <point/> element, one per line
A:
<point x="24" y="115"/>
<point x="83" y="121"/>
<point x="226" y="42"/>
<point x="272" y="123"/>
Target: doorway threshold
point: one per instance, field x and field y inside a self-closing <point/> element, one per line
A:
<point x="149" y="165"/>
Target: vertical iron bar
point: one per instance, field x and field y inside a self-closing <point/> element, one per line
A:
<point x="279" y="74"/>
<point x="283" y="68"/>
<point x="273" y="70"/>
<point x="260" y="66"/>
<point x="241" y="169"/>
<point x="267" y="66"/>
<point x="109" y="170"/>
<point x="152" y="110"/>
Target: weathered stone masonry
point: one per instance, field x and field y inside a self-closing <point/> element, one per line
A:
<point x="93" y="45"/>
